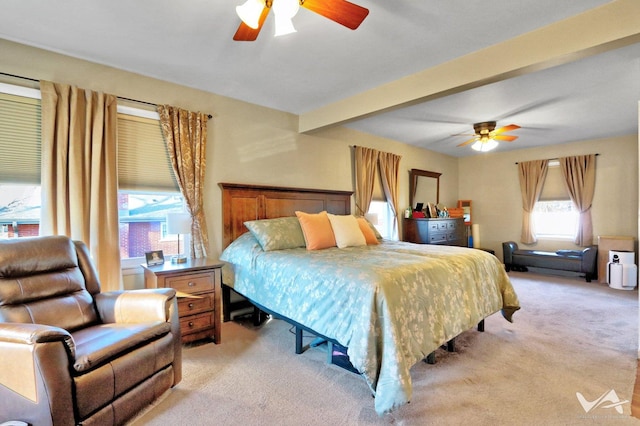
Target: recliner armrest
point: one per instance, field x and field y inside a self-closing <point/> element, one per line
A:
<point x="136" y="306"/>
<point x="147" y="305"/>
<point x="30" y="334"/>
<point x="35" y="383"/>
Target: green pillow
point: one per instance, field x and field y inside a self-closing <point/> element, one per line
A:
<point x="277" y="234"/>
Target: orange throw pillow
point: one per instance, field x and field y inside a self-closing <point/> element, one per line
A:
<point x="369" y="235"/>
<point x="317" y="230"/>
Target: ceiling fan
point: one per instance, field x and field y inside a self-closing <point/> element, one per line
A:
<point x="254" y="12"/>
<point x="486" y="136"/>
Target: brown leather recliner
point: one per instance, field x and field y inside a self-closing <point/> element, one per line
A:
<point x="70" y="354"/>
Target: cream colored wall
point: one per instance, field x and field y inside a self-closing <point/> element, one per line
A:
<point x="246" y="143"/>
<point x="252" y="144"/>
<point x="491" y="182"/>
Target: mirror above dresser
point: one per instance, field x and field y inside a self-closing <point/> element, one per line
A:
<point x="424" y="187"/>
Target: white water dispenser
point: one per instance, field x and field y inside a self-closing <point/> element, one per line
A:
<point x="622" y="272"/>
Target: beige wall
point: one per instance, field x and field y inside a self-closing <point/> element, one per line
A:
<point x="252" y="144"/>
<point x="497" y="204"/>
<point x="246" y="143"/>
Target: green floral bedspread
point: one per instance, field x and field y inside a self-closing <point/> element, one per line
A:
<point x="390" y="304"/>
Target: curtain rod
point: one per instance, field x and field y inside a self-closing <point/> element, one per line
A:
<point x="119" y="97"/>
<point x="19" y="76"/>
<point x="551" y="159"/>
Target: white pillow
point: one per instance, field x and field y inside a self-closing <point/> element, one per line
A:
<point x="346" y="231"/>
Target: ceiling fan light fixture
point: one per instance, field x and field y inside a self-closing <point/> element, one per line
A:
<point x="284" y="26"/>
<point x="250" y="11"/>
<point x="484" y="145"/>
<point x="284" y="11"/>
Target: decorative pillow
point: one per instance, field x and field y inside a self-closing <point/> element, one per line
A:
<point x="373" y="228"/>
<point x="346" y="231"/>
<point x="277" y="234"/>
<point x="317" y="230"/>
<point x="367" y="231"/>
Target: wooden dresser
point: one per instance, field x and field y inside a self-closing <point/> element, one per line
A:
<point x="447" y="231"/>
<point x="198" y="284"/>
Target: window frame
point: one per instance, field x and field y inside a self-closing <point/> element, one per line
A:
<point x="132" y="264"/>
<point x="554" y="236"/>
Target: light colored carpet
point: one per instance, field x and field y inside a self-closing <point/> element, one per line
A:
<point x="570" y="336"/>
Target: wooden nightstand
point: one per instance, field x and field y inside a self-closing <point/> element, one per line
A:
<point x="198" y="283"/>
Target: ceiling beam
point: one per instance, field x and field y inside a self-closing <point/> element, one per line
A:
<point x="595" y="31"/>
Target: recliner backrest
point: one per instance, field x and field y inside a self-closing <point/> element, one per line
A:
<point x="41" y="282"/>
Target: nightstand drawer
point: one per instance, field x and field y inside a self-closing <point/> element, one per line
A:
<point x="193" y="305"/>
<point x="195" y="323"/>
<point x="192" y="283"/>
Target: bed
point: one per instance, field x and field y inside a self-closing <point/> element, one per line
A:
<point x="390" y="304"/>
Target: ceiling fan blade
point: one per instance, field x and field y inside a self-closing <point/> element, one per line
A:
<point x="469" y="141"/>
<point x="246" y="33"/>
<point x="508" y="128"/>
<point x="341" y="11"/>
<point x="504" y="138"/>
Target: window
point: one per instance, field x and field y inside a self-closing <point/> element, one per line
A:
<point x="19" y="161"/>
<point x="148" y="189"/>
<point x="555" y="219"/>
<point x="142" y="223"/>
<point x="381" y="217"/>
<point x="554" y="215"/>
<point x="19" y="210"/>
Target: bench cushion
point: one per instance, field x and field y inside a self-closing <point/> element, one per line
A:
<point x="549" y="260"/>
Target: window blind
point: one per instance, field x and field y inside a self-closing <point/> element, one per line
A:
<point x="143" y="160"/>
<point x="554" y="187"/>
<point x="20" y="135"/>
<point x="378" y="190"/>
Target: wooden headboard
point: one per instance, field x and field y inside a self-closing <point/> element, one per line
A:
<point x="241" y="203"/>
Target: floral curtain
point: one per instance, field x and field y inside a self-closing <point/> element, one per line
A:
<point x="79" y="173"/>
<point x="186" y="136"/>
<point x="531" y="175"/>
<point x="580" y="178"/>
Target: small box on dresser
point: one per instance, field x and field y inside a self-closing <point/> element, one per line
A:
<point x="198" y="285"/>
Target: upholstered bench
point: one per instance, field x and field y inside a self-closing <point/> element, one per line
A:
<point x="579" y="261"/>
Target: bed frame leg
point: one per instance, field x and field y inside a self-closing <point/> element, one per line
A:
<point x="451" y="345"/>
<point x="298" y="340"/>
<point x="431" y="358"/>
<point x="481" y="326"/>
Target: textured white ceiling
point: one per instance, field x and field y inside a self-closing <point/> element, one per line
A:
<point x="190" y="43"/>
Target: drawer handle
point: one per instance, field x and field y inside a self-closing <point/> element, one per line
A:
<point x="190" y="323"/>
<point x="191" y="284"/>
<point x="190" y="305"/>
